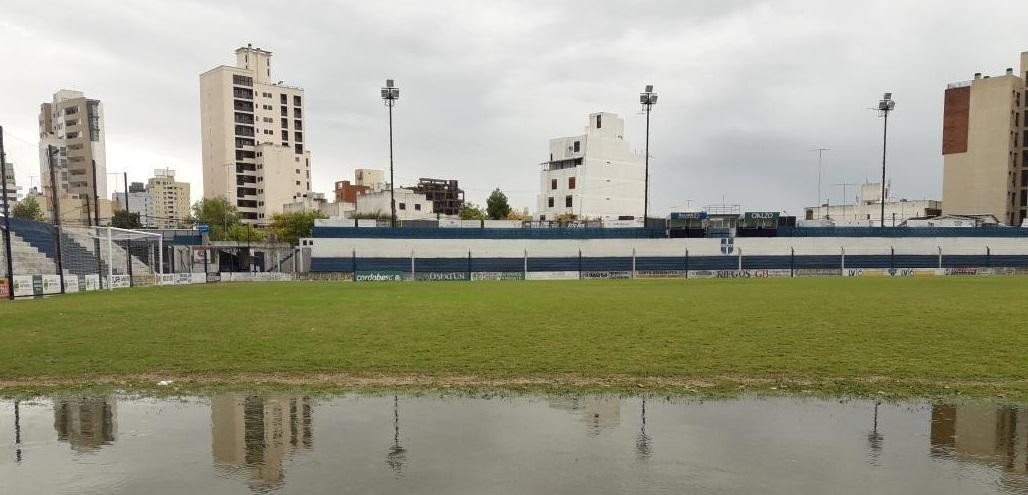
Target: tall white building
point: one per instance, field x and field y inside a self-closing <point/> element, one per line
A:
<point x="12" y="187"/>
<point x="170" y="198"/>
<point x="254" y="148"/>
<point x="592" y="176"/>
<point x="74" y="125"/>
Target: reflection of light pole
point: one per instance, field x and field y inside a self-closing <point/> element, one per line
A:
<point x="643" y="449"/>
<point x="7" y="225"/>
<point x="875" y="439"/>
<point x="647" y="98"/>
<point x="390" y="94"/>
<point x="397" y="455"/>
<point x="17" y="431"/>
<point x="885" y="105"/>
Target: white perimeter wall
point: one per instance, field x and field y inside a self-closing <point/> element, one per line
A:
<point x="764" y="246"/>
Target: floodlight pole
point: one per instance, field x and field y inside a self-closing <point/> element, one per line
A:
<point x="885" y="105"/>
<point x="647" y="98"/>
<point x="390" y="93"/>
<point x="7" y="220"/>
<point x="55" y="202"/>
<point x="819" y="167"/>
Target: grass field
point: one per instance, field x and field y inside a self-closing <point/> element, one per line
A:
<point x="918" y="335"/>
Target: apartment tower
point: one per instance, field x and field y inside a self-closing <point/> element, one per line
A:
<point x="592" y="176"/>
<point x="170" y="198"/>
<point x="985" y="126"/>
<point x="74" y="126"/>
<point x="254" y="152"/>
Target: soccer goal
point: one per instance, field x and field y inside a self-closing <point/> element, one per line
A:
<point x="93" y="258"/>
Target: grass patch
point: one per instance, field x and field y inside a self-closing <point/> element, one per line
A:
<point x="915" y="336"/>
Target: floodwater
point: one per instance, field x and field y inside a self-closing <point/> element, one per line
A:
<point x="235" y="443"/>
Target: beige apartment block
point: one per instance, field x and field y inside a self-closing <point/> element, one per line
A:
<point x="169" y="197"/>
<point x="253" y="137"/>
<point x="985" y="124"/>
<point x="74" y="126"/>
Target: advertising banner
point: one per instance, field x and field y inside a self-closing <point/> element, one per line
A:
<point x="441" y="276"/>
<point x="198" y="278"/>
<point x="552" y="276"/>
<point x="660" y="274"/>
<point x="379" y="276"/>
<point x="23" y="286"/>
<point x="497" y="276"/>
<point x="3" y="288"/>
<point x="71" y="284"/>
<point x="213" y="277"/>
<point x="51" y="284"/>
<point x="121" y="281"/>
<point x="91" y="282"/>
<point x="617" y="275"/>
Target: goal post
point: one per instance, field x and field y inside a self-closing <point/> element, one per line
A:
<point x="110" y="257"/>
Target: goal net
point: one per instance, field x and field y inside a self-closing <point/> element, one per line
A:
<point x="109" y="258"/>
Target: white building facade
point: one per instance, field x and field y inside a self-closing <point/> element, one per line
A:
<point x="12" y="188"/>
<point x="409" y="204"/>
<point x="253" y="137"/>
<point x="592" y="176"/>
<point x="74" y="126"/>
<point x="867" y="212"/>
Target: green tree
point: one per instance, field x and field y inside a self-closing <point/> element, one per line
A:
<point x="218" y="214"/>
<point x="496" y="205"/>
<point x="122" y="219"/>
<point x="290" y="227"/>
<point x="245" y="233"/>
<point x="470" y="211"/>
<point x="27" y="209"/>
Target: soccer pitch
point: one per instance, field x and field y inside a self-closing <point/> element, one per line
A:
<point x="911" y="334"/>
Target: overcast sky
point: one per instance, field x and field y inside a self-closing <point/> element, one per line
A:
<point x="746" y="88"/>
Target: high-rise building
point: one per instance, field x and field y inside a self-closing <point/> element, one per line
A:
<point x="12" y="186"/>
<point x="74" y="125"/>
<point x="984" y="129"/>
<point x="252" y="133"/>
<point x="592" y="176"/>
<point x="139" y="201"/>
<point x="170" y="198"/>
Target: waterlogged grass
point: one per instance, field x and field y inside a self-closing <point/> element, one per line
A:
<point x="907" y="334"/>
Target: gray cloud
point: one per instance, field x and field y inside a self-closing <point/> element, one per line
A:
<point x="747" y="88"/>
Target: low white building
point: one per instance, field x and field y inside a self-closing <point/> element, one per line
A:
<point x="317" y="202"/>
<point x="409" y="204"/>
<point x="592" y="176"/>
<point x="867" y="211"/>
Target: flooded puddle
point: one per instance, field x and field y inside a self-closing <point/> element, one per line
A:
<point x="234" y="443"/>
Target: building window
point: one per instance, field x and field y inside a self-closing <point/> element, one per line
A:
<point x="296" y="100"/>
<point x="417" y="206"/>
<point x="285" y="123"/>
<point x="299" y="149"/>
<point x="298" y="183"/>
<point x="282" y="98"/>
<point x="297" y="113"/>
<point x="571" y="182"/>
<point x="599" y="123"/>
<point x="550" y="202"/>
<point x="402" y="206"/>
<point x="285" y="135"/>
<point x="578" y="146"/>
<point x="299" y="136"/>
<point x="285" y="113"/>
<point x="553" y="184"/>
<point x="567" y="201"/>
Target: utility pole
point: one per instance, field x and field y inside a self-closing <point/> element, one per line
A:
<point x="128" y="242"/>
<point x="7" y="220"/>
<point x="390" y="94"/>
<point x="647" y="98"/>
<point x="820" y="198"/>
<point x="885" y="105"/>
<point x="50" y="152"/>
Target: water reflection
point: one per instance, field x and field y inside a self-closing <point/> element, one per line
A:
<point x="255" y="434"/>
<point x="396" y="456"/>
<point x="981" y="434"/>
<point x="562" y="444"/>
<point x="85" y="423"/>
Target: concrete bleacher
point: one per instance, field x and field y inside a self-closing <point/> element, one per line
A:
<point x="34" y="251"/>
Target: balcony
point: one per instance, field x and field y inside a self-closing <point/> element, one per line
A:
<point x="561" y="164"/>
<point x="244" y="94"/>
<point x="244" y="118"/>
<point x="243" y="106"/>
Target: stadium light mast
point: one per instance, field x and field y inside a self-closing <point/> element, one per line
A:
<point x="390" y="93"/>
<point x="820" y="163"/>
<point x="885" y="105"/>
<point x="7" y="220"/>
<point x="647" y="98"/>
